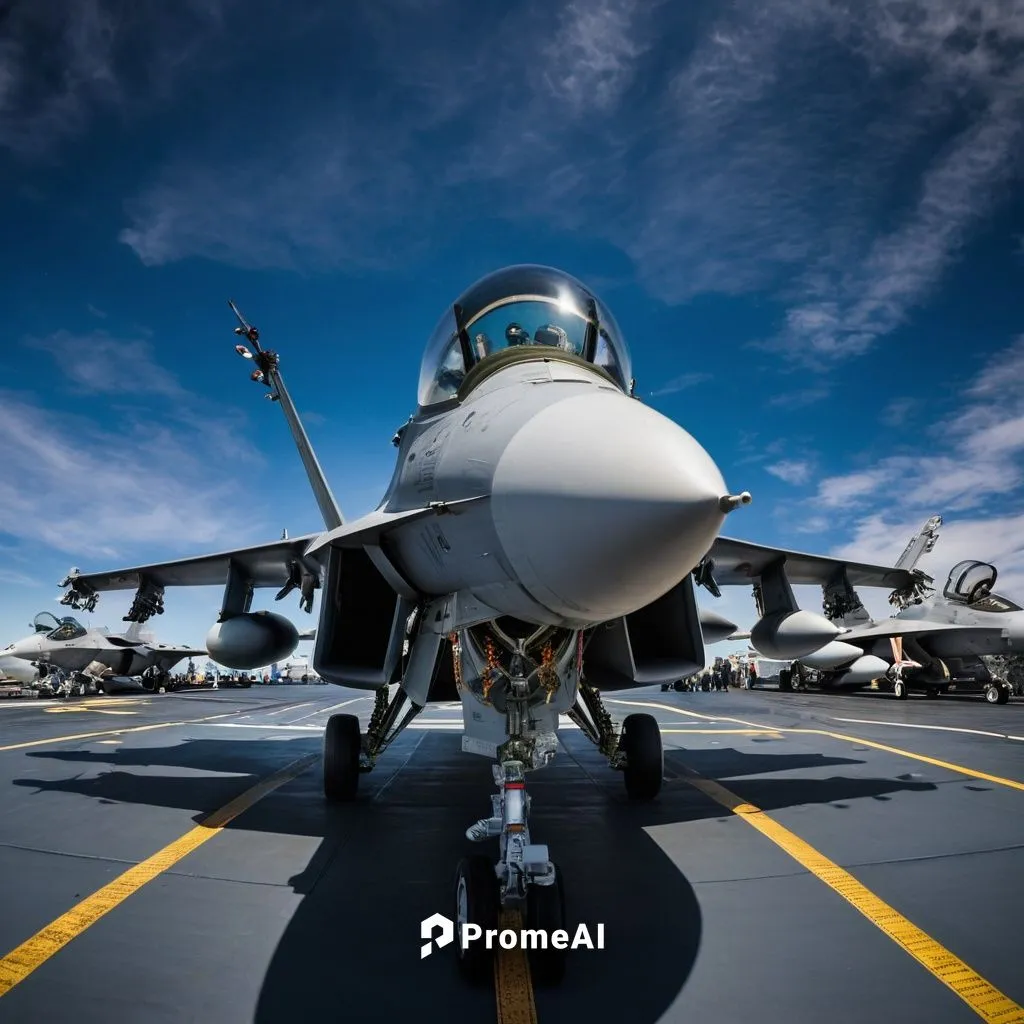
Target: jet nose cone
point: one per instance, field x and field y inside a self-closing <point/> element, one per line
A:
<point x="602" y="505"/>
<point x="22" y="649"/>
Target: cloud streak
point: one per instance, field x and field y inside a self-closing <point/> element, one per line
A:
<point x="683" y="382"/>
<point x="62" y="65"/>
<point x="84" y="490"/>
<point x="971" y="461"/>
<point x="81" y="488"/>
<point x="792" y="471"/>
<point x="766" y="145"/>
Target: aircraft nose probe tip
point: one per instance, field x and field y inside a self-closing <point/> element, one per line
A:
<point x="731" y="502"/>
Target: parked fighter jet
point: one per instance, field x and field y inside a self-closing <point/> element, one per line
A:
<point x="930" y="641"/>
<point x="539" y="541"/>
<point x="71" y="656"/>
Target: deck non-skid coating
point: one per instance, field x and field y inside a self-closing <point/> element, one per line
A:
<point x="298" y="911"/>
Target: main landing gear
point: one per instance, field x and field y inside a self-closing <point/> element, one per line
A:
<point x="524" y="879"/>
<point x="347" y="754"/>
<point x="998" y="693"/>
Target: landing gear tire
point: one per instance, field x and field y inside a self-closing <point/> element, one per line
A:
<point x="997" y="694"/>
<point x="645" y="758"/>
<point x="899" y="690"/>
<point x="785" y="681"/>
<point x="545" y="909"/>
<point x="342" y="746"/>
<point x="477" y="901"/>
<point x="931" y="693"/>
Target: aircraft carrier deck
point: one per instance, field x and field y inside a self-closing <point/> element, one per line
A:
<point x="811" y="858"/>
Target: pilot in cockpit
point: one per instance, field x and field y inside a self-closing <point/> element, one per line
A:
<point x="553" y="335"/>
<point x="515" y="335"/>
<point x="530" y="307"/>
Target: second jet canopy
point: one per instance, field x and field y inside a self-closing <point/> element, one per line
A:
<point x="519" y="306"/>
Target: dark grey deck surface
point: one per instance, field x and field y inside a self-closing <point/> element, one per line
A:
<point x="298" y="911"/>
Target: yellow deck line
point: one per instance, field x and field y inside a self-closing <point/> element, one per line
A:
<point x="113" y="732"/>
<point x="980" y="995"/>
<point x="513" y="986"/>
<point x="34" y="952"/>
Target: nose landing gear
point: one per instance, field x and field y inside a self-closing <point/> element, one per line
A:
<point x="524" y="880"/>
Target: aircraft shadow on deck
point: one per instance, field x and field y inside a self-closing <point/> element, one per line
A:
<point x="387" y="861"/>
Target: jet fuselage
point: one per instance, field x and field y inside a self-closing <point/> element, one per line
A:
<point x="596" y="504"/>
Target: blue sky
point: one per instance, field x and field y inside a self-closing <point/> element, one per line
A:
<point x="807" y="217"/>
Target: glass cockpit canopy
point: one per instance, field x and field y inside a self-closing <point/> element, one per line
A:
<point x="970" y="581"/>
<point x="521" y="305"/>
<point x="67" y="628"/>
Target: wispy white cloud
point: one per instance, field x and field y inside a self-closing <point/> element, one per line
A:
<point x="683" y="382"/>
<point x="98" y="313"/>
<point x="835" y="155"/>
<point x="127" y="370"/>
<point x="62" y="64"/>
<point x="965" y="464"/>
<point x="839" y="491"/>
<point x="97" y="363"/>
<point x="898" y="411"/>
<point x="591" y="60"/>
<point x="17" y="579"/>
<point x="800" y="398"/>
<point x="89" y="489"/>
<point x="792" y="471"/>
<point x="315" y="201"/>
<point x="814" y="524"/>
<point x="86" y="490"/>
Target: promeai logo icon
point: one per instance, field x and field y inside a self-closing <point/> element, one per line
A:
<point x="436" y="925"/>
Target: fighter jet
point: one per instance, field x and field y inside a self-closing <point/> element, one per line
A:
<point x="931" y="644"/>
<point x="539" y="542"/>
<point x="73" y="658"/>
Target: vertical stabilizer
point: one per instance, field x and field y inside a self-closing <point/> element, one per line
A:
<point x="136" y="633"/>
<point x="920" y="544"/>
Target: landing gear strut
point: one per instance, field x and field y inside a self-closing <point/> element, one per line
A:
<point x="637" y="751"/>
<point x="347" y="754"/>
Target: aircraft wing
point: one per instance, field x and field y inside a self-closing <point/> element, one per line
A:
<point x="267" y="565"/>
<point x="919" y="629"/>
<point x="180" y="652"/>
<point x="738" y="562"/>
